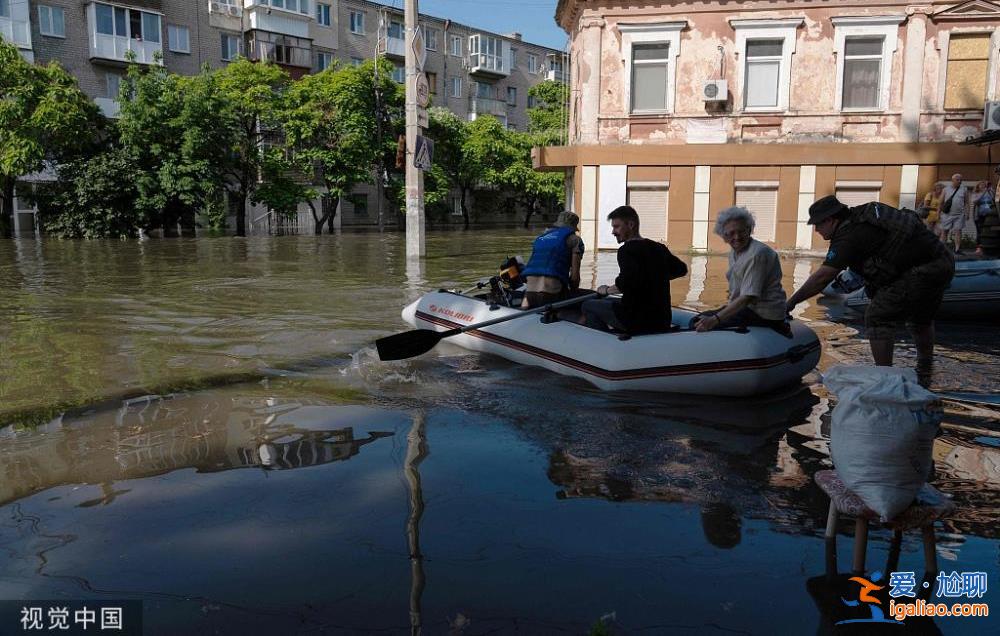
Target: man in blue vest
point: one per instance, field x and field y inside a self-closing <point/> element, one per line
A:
<point x="553" y="271"/>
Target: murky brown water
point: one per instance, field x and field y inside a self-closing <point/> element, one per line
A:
<point x="291" y="483"/>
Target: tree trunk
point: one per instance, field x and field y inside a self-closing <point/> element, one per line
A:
<point x="7" y="207"/>
<point x="333" y="214"/>
<point x="465" y="209"/>
<point x="241" y="214"/>
<point x="532" y="205"/>
<point x="319" y="220"/>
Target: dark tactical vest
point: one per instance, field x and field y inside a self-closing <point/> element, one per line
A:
<point x="882" y="268"/>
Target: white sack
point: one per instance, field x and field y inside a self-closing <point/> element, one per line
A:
<point x="882" y="434"/>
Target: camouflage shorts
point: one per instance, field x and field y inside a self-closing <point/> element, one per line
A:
<point x="914" y="297"/>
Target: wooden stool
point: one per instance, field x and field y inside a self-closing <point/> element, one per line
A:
<point x="929" y="505"/>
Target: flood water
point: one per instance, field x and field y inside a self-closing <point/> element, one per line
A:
<point x="202" y="425"/>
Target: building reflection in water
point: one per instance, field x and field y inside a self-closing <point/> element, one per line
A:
<point x="156" y="435"/>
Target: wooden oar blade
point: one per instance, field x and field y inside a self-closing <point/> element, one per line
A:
<point x="408" y="344"/>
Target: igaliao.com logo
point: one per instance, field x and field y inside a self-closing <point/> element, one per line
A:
<point x="865" y="596"/>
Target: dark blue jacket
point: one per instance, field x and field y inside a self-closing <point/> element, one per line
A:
<point x="550" y="256"/>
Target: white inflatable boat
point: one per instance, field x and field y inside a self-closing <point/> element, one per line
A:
<point x="724" y="362"/>
<point x="974" y="293"/>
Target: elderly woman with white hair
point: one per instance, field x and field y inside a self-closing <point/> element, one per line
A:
<point x="756" y="297"/>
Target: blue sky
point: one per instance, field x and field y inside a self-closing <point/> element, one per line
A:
<point x="532" y="18"/>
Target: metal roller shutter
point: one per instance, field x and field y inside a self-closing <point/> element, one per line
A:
<point x="763" y="204"/>
<point x="857" y="196"/>
<point x="651" y="204"/>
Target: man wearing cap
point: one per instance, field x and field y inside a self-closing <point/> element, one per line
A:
<point x="553" y="270"/>
<point x="905" y="268"/>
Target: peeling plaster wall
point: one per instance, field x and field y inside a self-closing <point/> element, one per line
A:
<point x="812" y="114"/>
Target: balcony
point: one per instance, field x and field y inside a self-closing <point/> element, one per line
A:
<point x="487" y="55"/>
<point x="288" y="17"/>
<point x="393" y="47"/>
<point x="280" y="49"/>
<point x="556" y="75"/>
<point x="116" y="32"/>
<point x="488" y="106"/>
<point x="17" y="32"/>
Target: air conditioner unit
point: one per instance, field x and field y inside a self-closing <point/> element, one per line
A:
<point x="235" y="10"/>
<point x="714" y="91"/>
<point x="216" y="7"/>
<point x="991" y="116"/>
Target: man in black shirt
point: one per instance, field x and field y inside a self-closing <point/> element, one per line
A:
<point x="905" y="267"/>
<point x="645" y="270"/>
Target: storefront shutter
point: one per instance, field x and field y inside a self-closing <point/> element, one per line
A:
<point x="762" y="201"/>
<point x="651" y="204"/>
<point x="857" y="196"/>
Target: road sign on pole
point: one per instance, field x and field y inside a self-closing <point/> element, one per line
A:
<point x="418" y="47"/>
<point x="423" y="154"/>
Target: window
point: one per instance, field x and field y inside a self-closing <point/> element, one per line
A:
<point x="51" y="20"/>
<point x="357" y="22"/>
<point x="763" y="71"/>
<point x="456" y="86"/>
<point x="432" y="82"/>
<point x="230" y="46"/>
<point x="360" y="204"/>
<point x="532" y="63"/>
<point x="357" y="61"/>
<point x="862" y="72"/>
<point x="150" y="26"/>
<point x="396" y="29"/>
<point x="456" y="45"/>
<point x="531" y="101"/>
<point x="968" y="68"/>
<point x="513" y="59"/>
<point x="485" y="52"/>
<point x="323" y="61"/>
<point x="767" y="47"/>
<point x="650" y="52"/>
<point x="854" y="193"/>
<point x="761" y="198"/>
<point x="113" y="84"/>
<point x="456" y="206"/>
<point x="649" y="77"/>
<point x="512" y="95"/>
<point x="323" y="14"/>
<point x="864" y="46"/>
<point x="484" y="90"/>
<point x="4" y="8"/>
<point x="430" y="38"/>
<point x="650" y="202"/>
<point x="399" y="74"/>
<point x="178" y="39"/>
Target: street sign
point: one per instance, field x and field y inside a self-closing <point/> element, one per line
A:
<point x="423" y="154"/>
<point x="418" y="48"/>
<point x="422" y="89"/>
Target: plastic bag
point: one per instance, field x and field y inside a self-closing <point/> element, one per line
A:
<point x="882" y="434"/>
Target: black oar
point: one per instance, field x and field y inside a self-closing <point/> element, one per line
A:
<point x="413" y="343"/>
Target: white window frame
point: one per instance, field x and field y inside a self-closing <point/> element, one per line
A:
<point x="512" y="96"/>
<point x="357" y="25"/>
<point x="112" y="85"/>
<point x="47" y="27"/>
<point x="455" y="87"/>
<point x="175" y="29"/>
<point x="668" y="33"/>
<point x="884" y="26"/>
<point x="532" y="63"/>
<point x="452" y="41"/>
<point x="357" y="61"/>
<point x="513" y="58"/>
<point x="399" y="74"/>
<point x="328" y="14"/>
<point x="784" y="30"/>
<point x="431" y="43"/>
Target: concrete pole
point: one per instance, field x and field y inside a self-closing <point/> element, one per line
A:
<point x="415" y="247"/>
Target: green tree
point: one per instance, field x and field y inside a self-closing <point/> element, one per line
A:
<point x="281" y="188"/>
<point x="93" y="198"/>
<point x="329" y="122"/>
<point x="170" y="126"/>
<point x="43" y="116"/>
<point x="532" y="189"/>
<point x="548" y="116"/>
<point x="251" y="95"/>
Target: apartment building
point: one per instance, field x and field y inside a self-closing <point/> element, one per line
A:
<point x="470" y="71"/>
<point x="683" y="109"/>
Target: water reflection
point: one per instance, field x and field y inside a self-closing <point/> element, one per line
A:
<point x="157" y="435"/>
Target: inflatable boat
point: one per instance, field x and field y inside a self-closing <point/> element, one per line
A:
<point x="974" y="293"/>
<point x="728" y="362"/>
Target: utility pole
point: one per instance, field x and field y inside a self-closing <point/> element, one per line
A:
<point x="414" y="176"/>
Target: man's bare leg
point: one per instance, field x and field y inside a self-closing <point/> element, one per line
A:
<point x="882" y="351"/>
